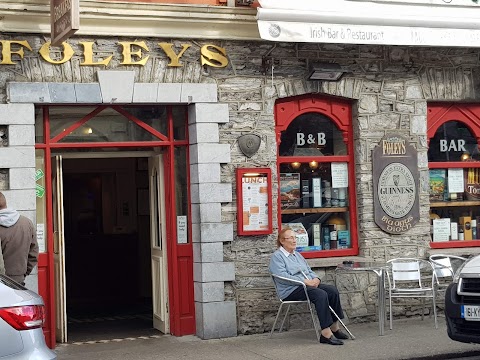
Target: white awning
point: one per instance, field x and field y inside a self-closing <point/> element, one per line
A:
<point x="398" y="22"/>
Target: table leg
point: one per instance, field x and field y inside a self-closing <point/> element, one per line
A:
<point x="381" y="300"/>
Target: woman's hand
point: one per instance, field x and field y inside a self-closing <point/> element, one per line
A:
<point x="312" y="282"/>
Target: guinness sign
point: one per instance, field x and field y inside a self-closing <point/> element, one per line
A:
<point x="395" y="185"/>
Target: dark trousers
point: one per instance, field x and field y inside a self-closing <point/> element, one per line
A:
<point x="321" y="296"/>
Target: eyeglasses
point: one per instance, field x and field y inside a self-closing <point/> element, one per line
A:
<point x="289" y="238"/>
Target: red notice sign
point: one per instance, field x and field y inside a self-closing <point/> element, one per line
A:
<point x="64" y="18"/>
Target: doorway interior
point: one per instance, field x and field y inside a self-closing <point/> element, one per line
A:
<point x="108" y="277"/>
<point x="122" y="166"/>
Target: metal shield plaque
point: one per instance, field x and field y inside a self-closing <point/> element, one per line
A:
<point x="395" y="185"/>
<point x="249" y="144"/>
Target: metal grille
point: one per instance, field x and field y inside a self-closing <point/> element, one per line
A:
<point x="466" y="327"/>
<point x="244" y="2"/>
<point x="471" y="285"/>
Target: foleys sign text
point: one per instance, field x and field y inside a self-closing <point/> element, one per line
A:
<point x="133" y="53"/>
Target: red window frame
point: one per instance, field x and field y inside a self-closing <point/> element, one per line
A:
<point x="437" y="115"/>
<point x="339" y="111"/>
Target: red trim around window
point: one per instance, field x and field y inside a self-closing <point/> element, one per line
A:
<point x="437" y="115"/>
<point x="338" y="110"/>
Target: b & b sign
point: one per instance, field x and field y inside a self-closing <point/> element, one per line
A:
<point x="318" y="139"/>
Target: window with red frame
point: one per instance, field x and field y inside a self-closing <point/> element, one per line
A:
<point x="454" y="172"/>
<point x="316" y="175"/>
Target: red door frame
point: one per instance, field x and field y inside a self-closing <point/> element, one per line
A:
<point x="180" y="256"/>
<point x="339" y="111"/>
<point x="437" y="115"/>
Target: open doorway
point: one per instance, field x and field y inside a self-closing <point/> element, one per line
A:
<point x="108" y="269"/>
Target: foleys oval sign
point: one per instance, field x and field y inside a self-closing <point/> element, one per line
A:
<point x="395" y="184"/>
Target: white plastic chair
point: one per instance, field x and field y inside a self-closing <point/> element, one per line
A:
<point x="276" y="278"/>
<point x="405" y="280"/>
<point x="442" y="263"/>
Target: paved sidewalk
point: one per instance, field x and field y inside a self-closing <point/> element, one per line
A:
<point x="409" y="339"/>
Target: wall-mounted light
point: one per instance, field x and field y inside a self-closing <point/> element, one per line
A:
<point x="295" y="165"/>
<point x="465" y="156"/>
<point x="313" y="165"/>
<point x="325" y="71"/>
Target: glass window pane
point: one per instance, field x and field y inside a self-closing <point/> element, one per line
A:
<point x="61" y="117"/>
<point x="452" y="216"/>
<point x="453" y="141"/>
<point x="312" y="134"/>
<point x="108" y="125"/>
<point x="39" y="125"/>
<point x="154" y="116"/>
<point x="179" y="116"/>
<point x="316" y="211"/>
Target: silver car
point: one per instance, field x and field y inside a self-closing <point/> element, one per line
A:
<point x="462" y="303"/>
<point x="22" y="315"/>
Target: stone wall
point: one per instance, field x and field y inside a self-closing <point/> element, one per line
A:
<point x="391" y="86"/>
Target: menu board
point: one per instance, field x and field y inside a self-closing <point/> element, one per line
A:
<point x="255" y="203"/>
<point x="339" y="175"/>
<point x="441" y="229"/>
<point x="455" y="181"/>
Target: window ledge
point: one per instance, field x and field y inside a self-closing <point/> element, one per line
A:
<point x="455" y="251"/>
<point x="334" y="261"/>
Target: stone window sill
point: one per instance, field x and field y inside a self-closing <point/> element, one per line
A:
<point x="334" y="261"/>
<point x="454" y="251"/>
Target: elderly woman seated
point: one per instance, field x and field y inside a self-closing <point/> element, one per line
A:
<point x="289" y="263"/>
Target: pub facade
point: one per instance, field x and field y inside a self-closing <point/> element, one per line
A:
<point x="162" y="163"/>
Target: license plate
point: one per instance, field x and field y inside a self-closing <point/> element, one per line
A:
<point x="470" y="312"/>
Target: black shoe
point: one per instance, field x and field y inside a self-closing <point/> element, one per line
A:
<point x="340" y="335"/>
<point x="331" y="341"/>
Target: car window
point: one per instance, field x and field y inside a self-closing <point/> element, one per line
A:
<point x="10" y="283"/>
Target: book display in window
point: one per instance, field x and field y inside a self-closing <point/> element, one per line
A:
<point x="437" y="184"/>
<point x="472" y="183"/>
<point x="343" y="239"/>
<point x="290" y="190"/>
<point x="300" y="233"/>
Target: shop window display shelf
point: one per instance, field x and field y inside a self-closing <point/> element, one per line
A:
<point x="315" y="210"/>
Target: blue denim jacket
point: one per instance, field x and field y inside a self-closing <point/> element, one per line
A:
<point x="290" y="267"/>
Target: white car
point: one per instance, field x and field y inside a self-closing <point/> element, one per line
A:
<point x="462" y="303"/>
<point x="22" y="315"/>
